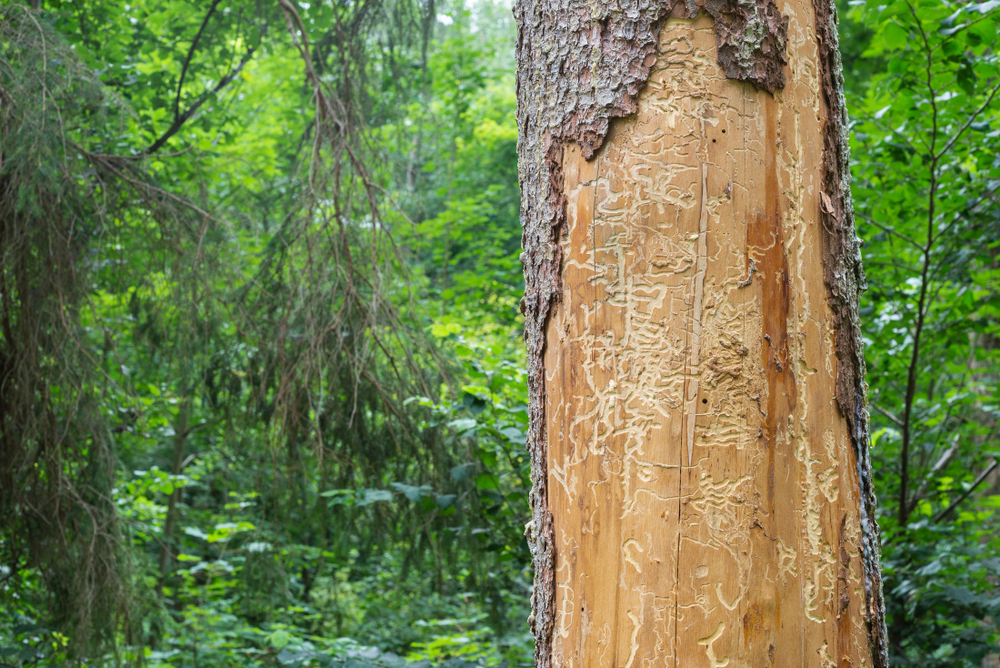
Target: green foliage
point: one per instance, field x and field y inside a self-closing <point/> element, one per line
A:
<point x="262" y="389"/>
<point x="927" y="170"/>
<point x="300" y="464"/>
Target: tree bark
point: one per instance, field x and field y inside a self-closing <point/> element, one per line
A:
<point x="702" y="491"/>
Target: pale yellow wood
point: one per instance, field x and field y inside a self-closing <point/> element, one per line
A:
<point x="702" y="483"/>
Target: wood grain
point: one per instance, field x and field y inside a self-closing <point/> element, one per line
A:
<point x="702" y="483"/>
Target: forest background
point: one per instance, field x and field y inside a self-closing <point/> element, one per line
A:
<point x="262" y="394"/>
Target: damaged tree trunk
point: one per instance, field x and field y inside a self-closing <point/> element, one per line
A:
<point x="702" y="493"/>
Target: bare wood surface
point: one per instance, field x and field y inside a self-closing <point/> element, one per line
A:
<point x="702" y="483"/>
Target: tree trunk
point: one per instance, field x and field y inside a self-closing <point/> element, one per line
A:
<point x="181" y="431"/>
<point x="701" y="485"/>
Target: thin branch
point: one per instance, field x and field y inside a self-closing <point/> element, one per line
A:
<point x="180" y="120"/>
<point x="895" y="265"/>
<point x="942" y="461"/>
<point x="895" y="420"/>
<point x="965" y="126"/>
<point x="966" y="212"/>
<point x="911" y="378"/>
<point x="966" y="26"/>
<point x="890" y="230"/>
<point x="978" y="481"/>
<point x="109" y="164"/>
<point x="190" y="56"/>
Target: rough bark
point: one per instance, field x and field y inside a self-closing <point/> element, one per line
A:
<point x="581" y="65"/>
<point x="845" y="279"/>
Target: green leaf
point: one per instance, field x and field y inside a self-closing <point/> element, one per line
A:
<point x="463" y="425"/>
<point x="445" y="501"/>
<point x="411" y="492"/>
<point x="370" y="496"/>
<point x="279" y="639"/>
<point x="487" y="457"/>
<point x="514" y="435"/>
<point x="196" y="532"/>
<point x="983" y="7"/>
<point x="462" y="471"/>
<point x="895" y="36"/>
<point x="487" y="481"/>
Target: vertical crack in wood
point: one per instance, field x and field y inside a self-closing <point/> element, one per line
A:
<point x="701" y="269"/>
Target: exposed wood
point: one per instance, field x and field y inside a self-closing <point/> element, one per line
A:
<point x="698" y="496"/>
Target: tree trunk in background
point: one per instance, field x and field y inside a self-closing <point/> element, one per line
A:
<point x="181" y="432"/>
<point x="701" y="486"/>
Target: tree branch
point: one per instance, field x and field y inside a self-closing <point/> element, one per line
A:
<point x="895" y="420"/>
<point x="978" y="481"/>
<point x="108" y="163"/>
<point x="965" y="126"/>
<point x="190" y="55"/>
<point x="889" y="230"/>
<point x="181" y="118"/>
<point x="922" y="306"/>
<point x="942" y="461"/>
